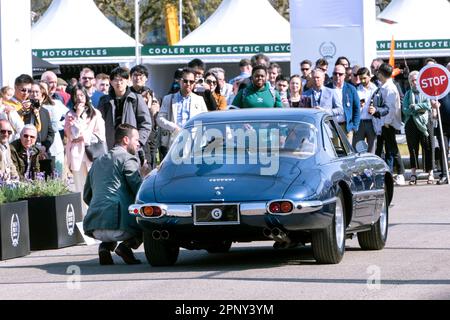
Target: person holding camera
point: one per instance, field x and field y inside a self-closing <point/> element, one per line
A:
<point x="201" y="88"/>
<point x="32" y="113"/>
<point x="56" y="110"/>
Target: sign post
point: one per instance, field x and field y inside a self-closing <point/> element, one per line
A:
<point x="434" y="83"/>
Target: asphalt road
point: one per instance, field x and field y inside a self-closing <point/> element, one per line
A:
<point x="414" y="265"/>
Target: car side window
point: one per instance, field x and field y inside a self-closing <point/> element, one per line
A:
<point x="333" y="142"/>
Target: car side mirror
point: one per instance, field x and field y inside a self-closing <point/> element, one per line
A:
<point x="361" y="146"/>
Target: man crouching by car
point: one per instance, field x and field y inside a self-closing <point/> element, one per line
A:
<point x="111" y="186"/>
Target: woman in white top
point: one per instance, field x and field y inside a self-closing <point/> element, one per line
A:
<point x="83" y="125"/>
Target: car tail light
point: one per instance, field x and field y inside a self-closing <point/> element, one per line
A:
<point x="286" y="206"/>
<point x="136" y="211"/>
<point x="281" y="207"/>
<point x="151" y="211"/>
<point x="274" y="207"/>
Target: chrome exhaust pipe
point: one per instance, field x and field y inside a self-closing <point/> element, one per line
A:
<point x="156" y="234"/>
<point x="276" y="232"/>
<point x="267" y="233"/>
<point x="165" y="235"/>
<point x="281" y="238"/>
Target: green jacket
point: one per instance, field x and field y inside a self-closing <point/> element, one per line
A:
<point x="111" y="186"/>
<point x="417" y="111"/>
<point x="19" y="158"/>
<point x="250" y="97"/>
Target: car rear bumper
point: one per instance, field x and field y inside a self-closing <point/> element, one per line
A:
<point x="178" y="220"/>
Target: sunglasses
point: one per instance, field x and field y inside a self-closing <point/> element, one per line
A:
<point x="24" y="90"/>
<point x="6" y="132"/>
<point x="186" y="81"/>
<point x="338" y="74"/>
<point x="87" y="78"/>
<point x="305" y="69"/>
<point x="26" y="136"/>
<point x="211" y="82"/>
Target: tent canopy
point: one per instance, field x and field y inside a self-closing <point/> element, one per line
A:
<point x="420" y="28"/>
<point x="237" y="28"/>
<point x="40" y="66"/>
<point x="78" y="30"/>
<point x="241" y="22"/>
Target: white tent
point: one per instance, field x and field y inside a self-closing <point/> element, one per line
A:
<point x="237" y="28"/>
<point x="77" y="32"/>
<point x="420" y="28"/>
<point x="241" y="22"/>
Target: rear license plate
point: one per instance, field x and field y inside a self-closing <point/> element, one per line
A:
<point x="218" y="214"/>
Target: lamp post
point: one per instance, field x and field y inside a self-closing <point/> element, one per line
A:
<point x="136" y="32"/>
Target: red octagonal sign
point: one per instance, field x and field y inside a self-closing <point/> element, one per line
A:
<point x="434" y="81"/>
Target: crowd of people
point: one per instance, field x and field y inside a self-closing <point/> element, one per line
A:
<point x="51" y="126"/>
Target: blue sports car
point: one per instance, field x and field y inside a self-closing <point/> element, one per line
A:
<point x="287" y="175"/>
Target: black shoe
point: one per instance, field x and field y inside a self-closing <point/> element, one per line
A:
<point x="443" y="180"/>
<point x="126" y="254"/>
<point x="104" y="253"/>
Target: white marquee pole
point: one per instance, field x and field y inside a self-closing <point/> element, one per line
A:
<point x="136" y="31"/>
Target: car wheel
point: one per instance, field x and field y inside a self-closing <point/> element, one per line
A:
<point x="329" y="244"/>
<point x="219" y="247"/>
<point x="160" y="252"/>
<point x="376" y="237"/>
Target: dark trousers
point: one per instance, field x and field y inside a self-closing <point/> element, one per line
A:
<point x="366" y="131"/>
<point x="414" y="137"/>
<point x="392" y="154"/>
<point x="151" y="149"/>
<point x="440" y="155"/>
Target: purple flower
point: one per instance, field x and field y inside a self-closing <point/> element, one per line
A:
<point x="40" y="176"/>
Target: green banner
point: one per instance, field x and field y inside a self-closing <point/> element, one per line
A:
<point x="414" y="44"/>
<point x="84" y="52"/>
<point x="151" y="50"/>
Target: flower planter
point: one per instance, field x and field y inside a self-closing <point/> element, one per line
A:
<point x="52" y="221"/>
<point x="14" y="231"/>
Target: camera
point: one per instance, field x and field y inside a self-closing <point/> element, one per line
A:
<point x="35" y="104"/>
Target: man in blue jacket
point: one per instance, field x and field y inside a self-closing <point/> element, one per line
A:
<point x="346" y="93"/>
<point x="321" y="97"/>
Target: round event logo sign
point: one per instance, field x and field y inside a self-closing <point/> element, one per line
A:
<point x="327" y="50"/>
<point x="15" y="230"/>
<point x="434" y="81"/>
<point x="70" y="219"/>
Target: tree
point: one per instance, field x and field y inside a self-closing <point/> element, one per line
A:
<point x="121" y="12"/>
<point x="282" y="6"/>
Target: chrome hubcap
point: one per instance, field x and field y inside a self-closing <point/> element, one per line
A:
<point x="339" y="224"/>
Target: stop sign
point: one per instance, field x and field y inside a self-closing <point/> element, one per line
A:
<point x="434" y="81"/>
